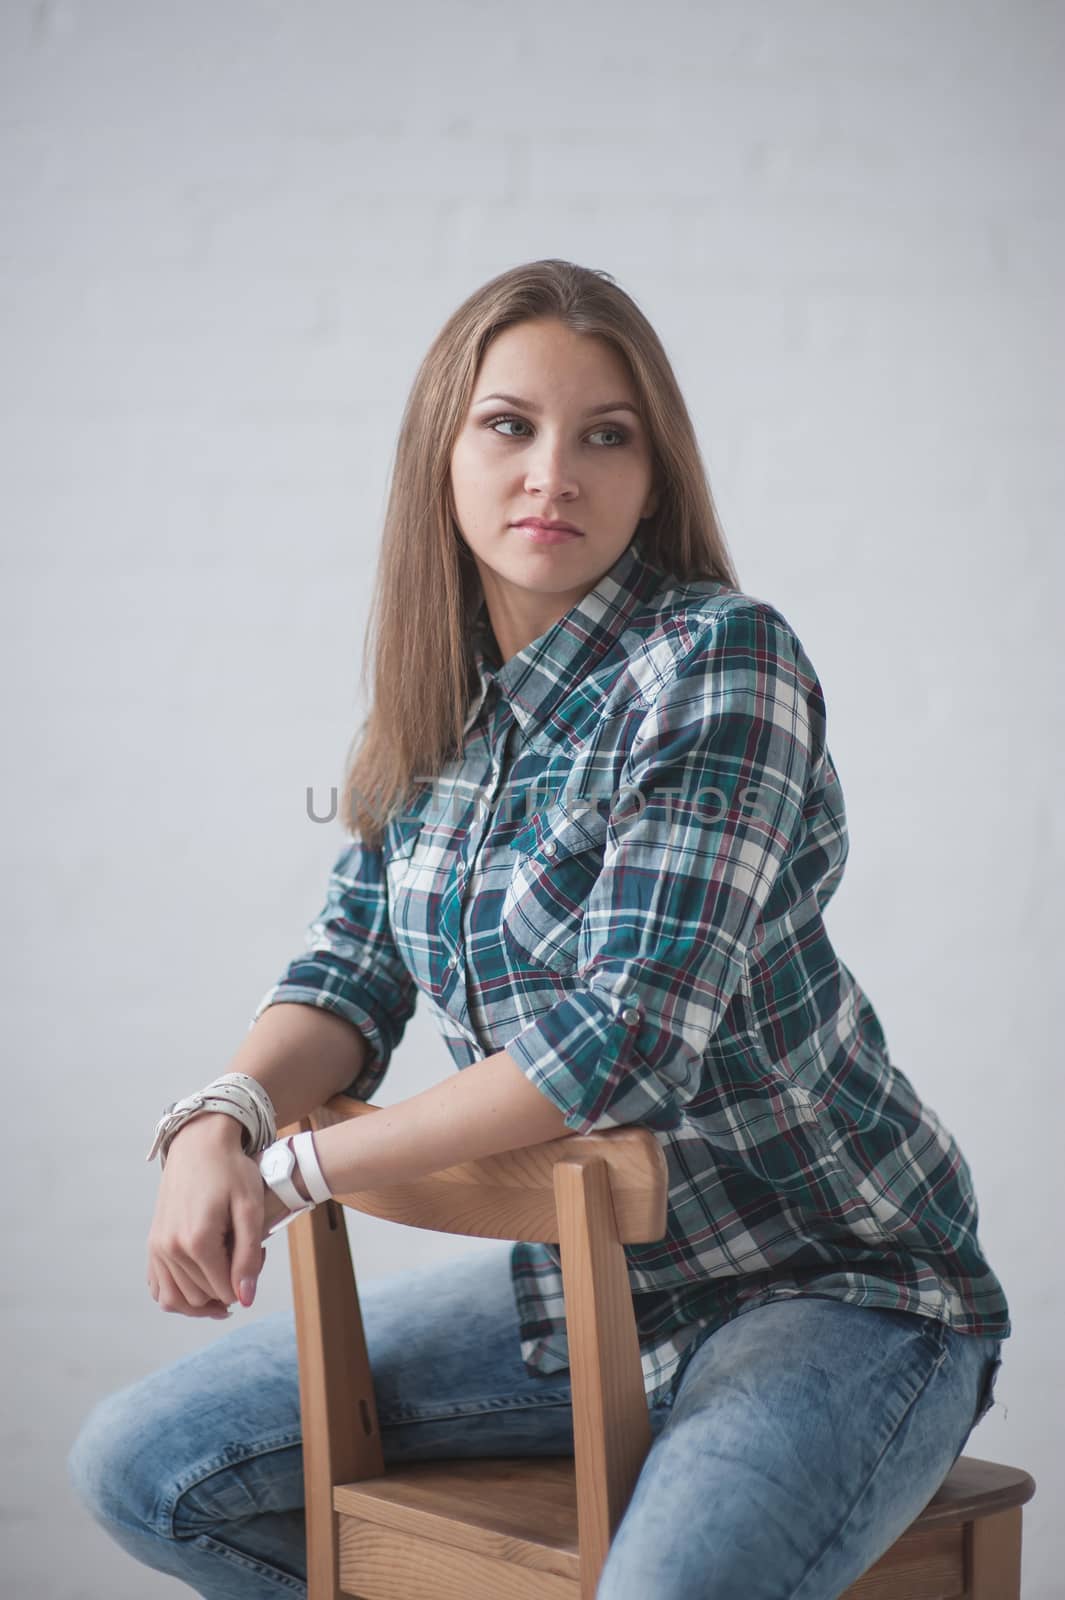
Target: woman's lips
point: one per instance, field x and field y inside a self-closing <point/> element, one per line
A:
<point x="545" y="535"/>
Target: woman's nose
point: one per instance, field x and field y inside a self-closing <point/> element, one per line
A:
<point x="550" y="472"/>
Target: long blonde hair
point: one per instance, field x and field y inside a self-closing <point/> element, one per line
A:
<point x="428" y="589"/>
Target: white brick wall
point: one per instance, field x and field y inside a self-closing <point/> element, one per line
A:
<point x="229" y="232"/>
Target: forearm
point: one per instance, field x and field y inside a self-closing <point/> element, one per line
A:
<point x="301" y="1055"/>
<point x="486" y="1108"/>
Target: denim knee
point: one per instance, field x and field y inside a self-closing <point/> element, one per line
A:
<point x="111" y="1464"/>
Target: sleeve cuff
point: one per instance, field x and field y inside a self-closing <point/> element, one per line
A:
<point x="380" y="1049"/>
<point x="582" y="1054"/>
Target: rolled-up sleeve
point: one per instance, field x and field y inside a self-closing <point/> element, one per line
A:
<point x="710" y="809"/>
<point x="351" y="966"/>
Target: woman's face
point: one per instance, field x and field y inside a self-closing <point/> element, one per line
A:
<point x="541" y="452"/>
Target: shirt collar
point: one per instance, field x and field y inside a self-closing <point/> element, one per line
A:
<point x="539" y="676"/>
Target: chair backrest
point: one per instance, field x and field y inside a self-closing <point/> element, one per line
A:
<point x="589" y="1193"/>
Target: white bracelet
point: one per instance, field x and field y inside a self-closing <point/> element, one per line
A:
<point x="301" y="1154"/>
<point x="310" y="1171"/>
<point x="236" y="1095"/>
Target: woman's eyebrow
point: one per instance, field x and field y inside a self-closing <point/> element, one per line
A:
<point x="528" y="405"/>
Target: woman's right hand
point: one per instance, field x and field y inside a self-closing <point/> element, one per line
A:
<point x="206" y="1235"/>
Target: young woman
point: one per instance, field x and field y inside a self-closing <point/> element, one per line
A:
<point x="595" y="825"/>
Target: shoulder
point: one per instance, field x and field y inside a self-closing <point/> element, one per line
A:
<point x="703" y="629"/>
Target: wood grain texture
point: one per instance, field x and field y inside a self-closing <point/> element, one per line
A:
<point x="922" y="1565"/>
<point x="511" y="1196"/>
<point x="611" y="1426"/>
<point x="993" y="1556"/>
<point x="506" y="1508"/>
<point x="377" y="1564"/>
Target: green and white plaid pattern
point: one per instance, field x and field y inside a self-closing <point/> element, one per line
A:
<point x="621" y="881"/>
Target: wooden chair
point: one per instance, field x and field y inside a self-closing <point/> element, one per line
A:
<point x="540" y="1528"/>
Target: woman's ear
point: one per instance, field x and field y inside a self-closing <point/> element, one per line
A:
<point x="650" y="505"/>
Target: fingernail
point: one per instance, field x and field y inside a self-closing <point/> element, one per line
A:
<point x="247" y="1291"/>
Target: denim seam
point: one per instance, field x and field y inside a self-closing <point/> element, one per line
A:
<point x="554" y="1398"/>
<point x="201" y="1539"/>
<point x="206" y="1541"/>
<point x="831" y="1542"/>
<point x="988" y="1384"/>
<point x="937" y="1331"/>
<point x="231" y="1457"/>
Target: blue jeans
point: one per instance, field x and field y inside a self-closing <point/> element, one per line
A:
<point x="799" y="1441"/>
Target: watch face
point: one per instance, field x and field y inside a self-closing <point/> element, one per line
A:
<point x="277" y="1161"/>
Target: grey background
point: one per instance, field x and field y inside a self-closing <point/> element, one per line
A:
<point x="230" y="231"/>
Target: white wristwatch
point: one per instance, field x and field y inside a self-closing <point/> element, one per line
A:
<point x="277" y="1164"/>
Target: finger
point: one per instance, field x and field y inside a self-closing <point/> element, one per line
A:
<point x="188" y="1285"/>
<point x="196" y="1256"/>
<point x="170" y="1298"/>
<point x="170" y="1256"/>
<point x="248" y="1250"/>
<point x="209" y="1266"/>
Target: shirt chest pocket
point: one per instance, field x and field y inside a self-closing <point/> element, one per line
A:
<point x="558" y="857"/>
<point x="400" y="868"/>
<point x="412" y="901"/>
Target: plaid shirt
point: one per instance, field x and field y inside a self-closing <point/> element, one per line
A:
<point x="621" y="882"/>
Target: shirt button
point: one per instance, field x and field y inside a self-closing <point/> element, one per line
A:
<point x="550" y="847"/>
<point x="630" y="1016"/>
<point x="452" y="961"/>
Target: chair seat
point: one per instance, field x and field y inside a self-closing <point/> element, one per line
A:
<point x="520" y="1508"/>
<point x="523" y="1511"/>
<point x="976" y="1488"/>
<point x="487" y="1527"/>
<point x="933" y="1559"/>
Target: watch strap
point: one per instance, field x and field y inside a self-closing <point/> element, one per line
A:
<point x="310" y="1170"/>
<point x="234" y="1093"/>
<point x="281" y="1183"/>
<point x="283" y="1222"/>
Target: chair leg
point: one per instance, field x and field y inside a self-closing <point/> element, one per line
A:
<point x="994" y="1556"/>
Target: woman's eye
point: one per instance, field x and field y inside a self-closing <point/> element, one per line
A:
<point x="609" y="428"/>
